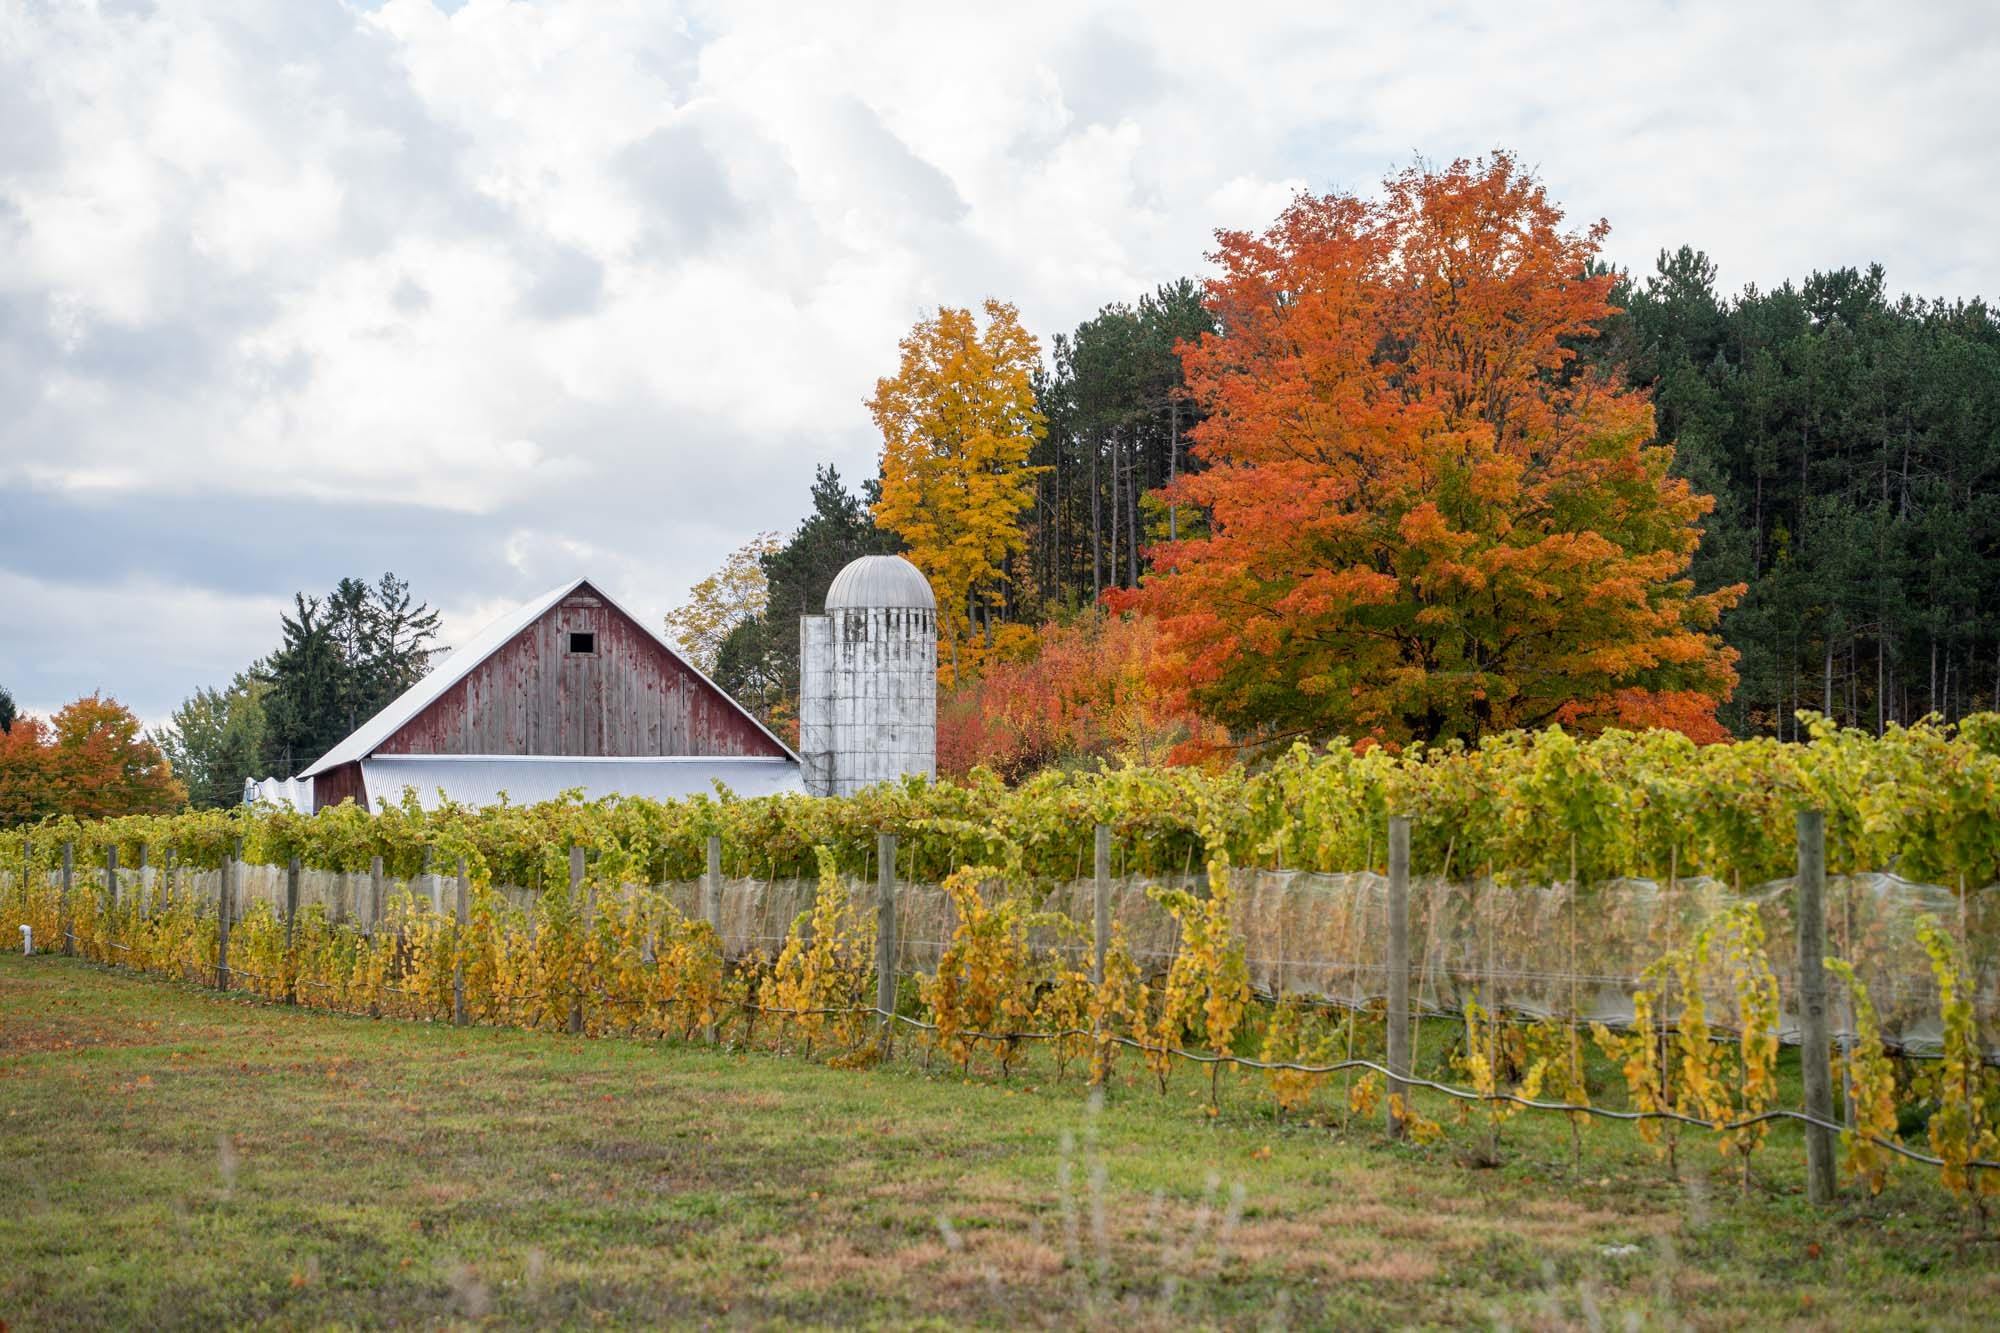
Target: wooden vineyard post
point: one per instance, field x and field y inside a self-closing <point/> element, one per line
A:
<point x="1101" y="904"/>
<point x="225" y="906"/>
<point x="110" y="898"/>
<point x="292" y="869"/>
<point x="885" y="934"/>
<point x="575" y="883"/>
<point x="1813" y="1044"/>
<point x="62" y="910"/>
<point x="1399" y="972"/>
<point x="711" y="908"/>
<point x="374" y="894"/>
<point x="461" y="917"/>
<point x="145" y="872"/>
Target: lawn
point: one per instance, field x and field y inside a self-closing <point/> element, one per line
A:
<point x="169" y="1157"/>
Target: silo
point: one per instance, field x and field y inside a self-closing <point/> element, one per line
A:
<point x="868" y="678"/>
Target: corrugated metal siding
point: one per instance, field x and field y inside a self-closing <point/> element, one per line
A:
<point x="534" y="696"/>
<point x="478" y="780"/>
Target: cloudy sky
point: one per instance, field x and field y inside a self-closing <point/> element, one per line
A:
<point x="496" y="293"/>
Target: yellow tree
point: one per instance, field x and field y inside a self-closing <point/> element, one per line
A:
<point x="958" y="424"/>
<point x="722" y="601"/>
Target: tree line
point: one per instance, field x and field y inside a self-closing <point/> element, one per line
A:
<point x="1851" y="440"/>
<point x="1836" y="446"/>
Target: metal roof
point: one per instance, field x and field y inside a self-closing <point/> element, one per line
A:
<point x="399" y="711"/>
<point x="886" y="581"/>
<point x="479" y="779"/>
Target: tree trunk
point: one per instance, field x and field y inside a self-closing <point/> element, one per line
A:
<point x="1117" y="509"/>
<point x="1096" y="526"/>
<point x="1132" y="529"/>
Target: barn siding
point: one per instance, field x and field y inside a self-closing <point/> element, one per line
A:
<point x="630" y="698"/>
<point x="342" y="783"/>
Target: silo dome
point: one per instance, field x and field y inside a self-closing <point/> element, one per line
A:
<point x="880" y="582"/>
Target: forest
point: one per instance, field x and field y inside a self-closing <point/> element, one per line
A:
<point x="1847" y="436"/>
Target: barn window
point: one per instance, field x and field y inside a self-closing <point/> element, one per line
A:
<point x="581" y="641"/>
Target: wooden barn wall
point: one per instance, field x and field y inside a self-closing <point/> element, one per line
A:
<point x="336" y="785"/>
<point x="534" y="696"/>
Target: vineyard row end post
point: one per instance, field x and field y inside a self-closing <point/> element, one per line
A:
<point x="1101" y="904"/>
<point x="711" y="908"/>
<point x="461" y="917"/>
<point x="1814" y="1052"/>
<point x="575" y="883"/>
<point x="293" y="869"/>
<point x="225" y="907"/>
<point x="145" y="873"/>
<point x="1399" y="973"/>
<point x="885" y="933"/>
<point x="374" y="894"/>
<point x="110" y="898"/>
<point x="62" y="913"/>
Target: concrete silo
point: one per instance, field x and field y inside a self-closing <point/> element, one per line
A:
<point x="868" y="679"/>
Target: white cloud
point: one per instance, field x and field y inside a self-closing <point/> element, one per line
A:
<point x="596" y="283"/>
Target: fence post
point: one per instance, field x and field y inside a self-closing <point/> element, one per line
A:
<point x="27" y="870"/>
<point x="576" y="882"/>
<point x="1399" y="971"/>
<point x="290" y="966"/>
<point x="110" y="898"/>
<point x="145" y="871"/>
<point x="1101" y="904"/>
<point x="885" y="933"/>
<point x="62" y="911"/>
<point x="374" y="894"/>
<point x="462" y="918"/>
<point x="1814" y="1054"/>
<point x="225" y="896"/>
<point x="711" y="886"/>
<point x="711" y="905"/>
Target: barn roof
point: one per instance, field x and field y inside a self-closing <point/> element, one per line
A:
<point x="479" y="779"/>
<point x="403" y="709"/>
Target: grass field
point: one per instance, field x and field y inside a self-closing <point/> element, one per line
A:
<point x="169" y="1158"/>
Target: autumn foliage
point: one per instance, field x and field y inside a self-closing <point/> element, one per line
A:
<point x="1424" y="520"/>
<point x="91" y="761"/>
<point x="1078" y="692"/>
<point x="958" y="422"/>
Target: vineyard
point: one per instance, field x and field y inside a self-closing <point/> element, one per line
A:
<point x="1553" y="904"/>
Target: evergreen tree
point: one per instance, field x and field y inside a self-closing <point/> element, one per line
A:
<point x="758" y="663"/>
<point x="342" y="658"/>
<point x="1118" y="420"/>
<point x="1852" y="444"/>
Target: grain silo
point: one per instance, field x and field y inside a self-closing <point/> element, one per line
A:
<point x="868" y="679"/>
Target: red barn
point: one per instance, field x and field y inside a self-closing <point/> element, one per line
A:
<point x="569" y="691"/>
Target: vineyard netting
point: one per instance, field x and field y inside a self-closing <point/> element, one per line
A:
<point x="1538" y="952"/>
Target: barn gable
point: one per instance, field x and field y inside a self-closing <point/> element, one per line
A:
<point x="570" y="675"/>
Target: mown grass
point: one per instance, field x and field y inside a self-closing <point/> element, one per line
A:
<point x="169" y="1158"/>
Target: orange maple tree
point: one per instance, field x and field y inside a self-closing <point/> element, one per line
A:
<point x="91" y="760"/>
<point x="1080" y="691"/>
<point x="1424" y="519"/>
